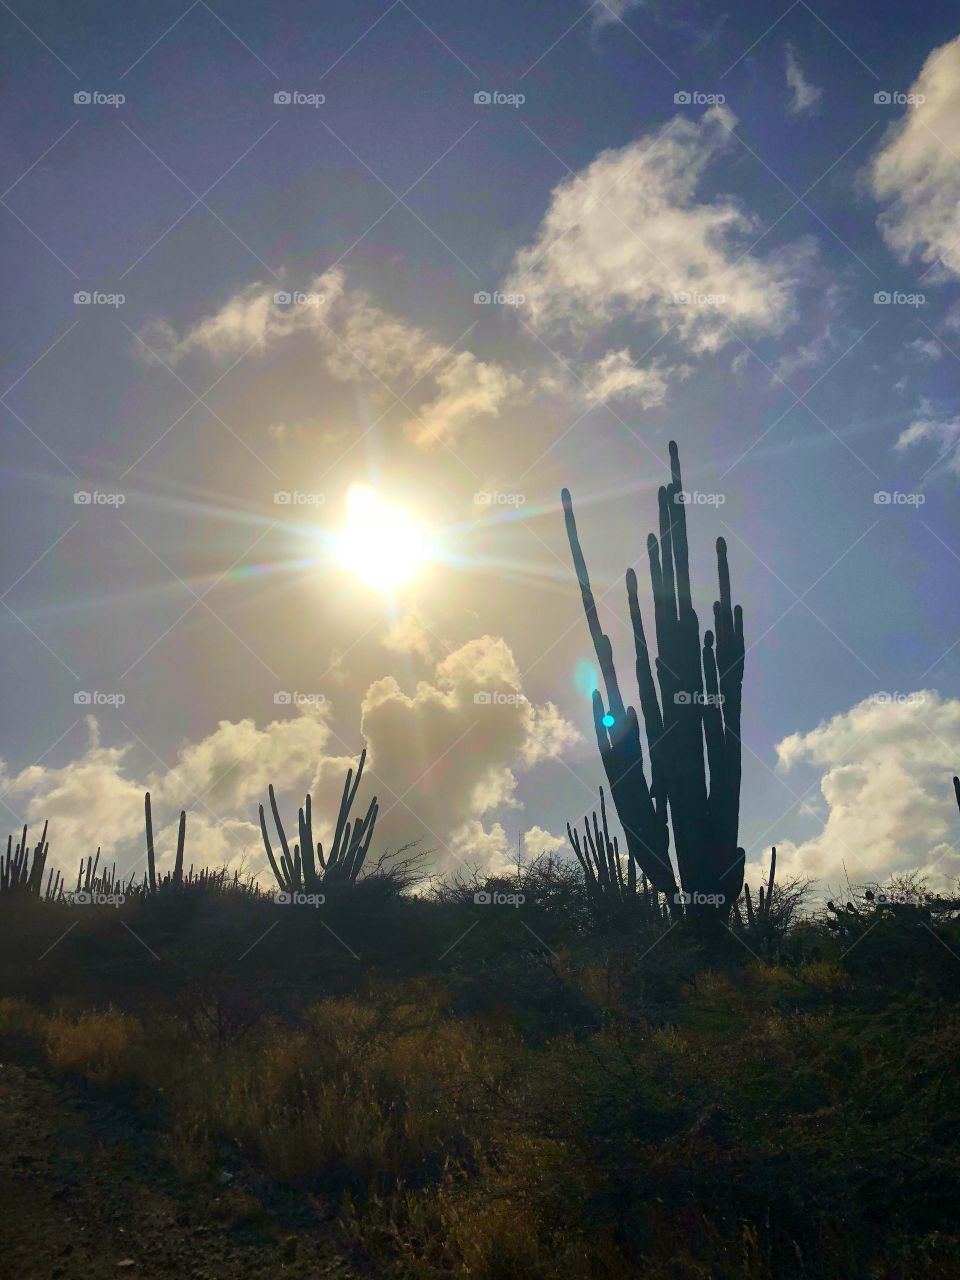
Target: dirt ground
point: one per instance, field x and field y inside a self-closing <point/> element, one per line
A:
<point x="84" y="1196"/>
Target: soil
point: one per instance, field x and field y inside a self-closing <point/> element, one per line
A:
<point x="85" y="1195"/>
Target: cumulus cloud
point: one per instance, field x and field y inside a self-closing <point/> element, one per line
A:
<point x="95" y="800"/>
<point x="916" y="171"/>
<point x="628" y="238"/>
<point x="942" y="432"/>
<point x="804" y="95"/>
<point x="886" y="783"/>
<point x="444" y="391"/>
<point x="450" y="751"/>
<point x="443" y="762"/>
<point x="537" y="840"/>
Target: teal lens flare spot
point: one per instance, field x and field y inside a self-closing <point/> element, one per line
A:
<point x="608" y="720"/>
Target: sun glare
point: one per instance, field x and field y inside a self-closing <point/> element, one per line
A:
<point x="381" y="544"/>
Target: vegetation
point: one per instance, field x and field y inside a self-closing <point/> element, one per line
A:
<point x="489" y="1081"/>
<point x="692" y="729"/>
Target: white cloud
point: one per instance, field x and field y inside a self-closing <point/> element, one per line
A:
<point x="916" y="171"/>
<point x="616" y="377"/>
<point x="444" y="391"/>
<point x="942" y="432"/>
<point x="627" y="237"/>
<point x="606" y="12"/>
<point x="926" y="349"/>
<point x="805" y="96"/>
<point x="886" y="782"/>
<point x="537" y="840"/>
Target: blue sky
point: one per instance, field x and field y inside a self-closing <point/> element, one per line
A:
<point x="779" y="201"/>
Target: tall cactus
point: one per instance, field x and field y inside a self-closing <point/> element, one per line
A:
<point x="297" y="870"/>
<point x="692" y="727"/>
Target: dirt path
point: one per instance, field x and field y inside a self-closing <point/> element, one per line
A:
<point x="84" y="1197"/>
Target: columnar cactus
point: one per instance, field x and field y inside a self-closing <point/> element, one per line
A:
<point x="692" y="727"/>
<point x="18" y="872"/>
<point x="297" y="870"/>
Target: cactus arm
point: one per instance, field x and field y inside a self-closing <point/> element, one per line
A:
<point x="282" y="880"/>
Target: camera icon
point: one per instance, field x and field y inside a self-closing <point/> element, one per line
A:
<point x="482" y="99"/>
<point x="284" y="498"/>
<point x="483" y="698"/>
<point x="682" y="98"/>
<point x="82" y="699"/>
<point x="282" y="299"/>
<point x="882" y="298"/>
<point x="282" y="98"/>
<point x="882" y="499"/>
<point x="682" y="498"/>
<point x="482" y="298"/>
<point x="882" y="99"/>
<point x="81" y="898"/>
<point x="282" y="699"/>
<point x="82" y="299"/>
<point x="482" y="898"/>
<point x="82" y="498"/>
<point x="82" y="98"/>
<point x="682" y="698"/>
<point x="282" y="899"/>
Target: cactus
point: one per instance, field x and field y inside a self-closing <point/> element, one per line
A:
<point x="693" y="726"/>
<point x="174" y="880"/>
<point x="298" y="871"/>
<point x="18" y="872"/>
<point x="609" y="893"/>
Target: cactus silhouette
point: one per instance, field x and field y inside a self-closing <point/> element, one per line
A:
<point x="692" y="725"/>
<point x="297" y="870"/>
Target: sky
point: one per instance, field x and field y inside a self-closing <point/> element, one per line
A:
<point x="455" y="258"/>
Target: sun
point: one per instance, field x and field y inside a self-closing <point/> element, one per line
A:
<point x="382" y="544"/>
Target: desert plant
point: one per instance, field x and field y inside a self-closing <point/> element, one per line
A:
<point x="297" y="871"/>
<point x="20" y="873"/>
<point x="610" y="894"/>
<point x="693" y="726"/>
